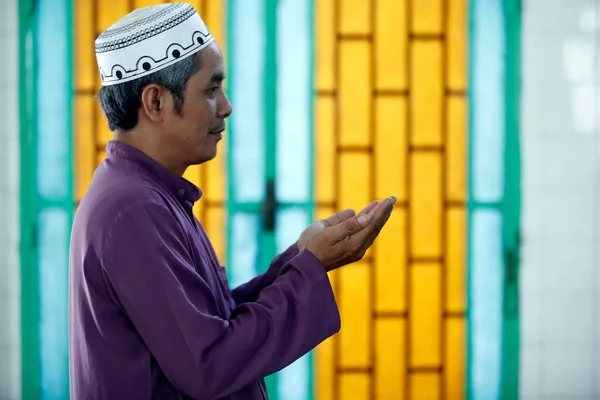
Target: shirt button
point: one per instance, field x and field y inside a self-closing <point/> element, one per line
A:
<point x="181" y="192"/>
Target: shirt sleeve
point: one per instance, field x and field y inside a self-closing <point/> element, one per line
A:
<point x="249" y="291"/>
<point x="146" y="262"/>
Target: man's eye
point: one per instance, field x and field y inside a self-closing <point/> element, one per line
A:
<point x="214" y="89"/>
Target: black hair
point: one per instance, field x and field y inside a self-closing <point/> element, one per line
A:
<point x="122" y="102"/>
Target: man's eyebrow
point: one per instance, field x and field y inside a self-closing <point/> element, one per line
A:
<point x="218" y="77"/>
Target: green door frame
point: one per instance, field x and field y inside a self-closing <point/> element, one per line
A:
<point x="31" y="203"/>
<point x="509" y="206"/>
<point x="268" y="248"/>
<point x="270" y="207"/>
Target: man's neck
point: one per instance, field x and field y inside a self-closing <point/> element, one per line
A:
<point x="152" y="149"/>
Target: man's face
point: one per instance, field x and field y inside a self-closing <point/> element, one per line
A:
<point x="199" y="126"/>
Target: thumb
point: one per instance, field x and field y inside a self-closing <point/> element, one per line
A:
<point x="339" y="217"/>
<point x="349" y="227"/>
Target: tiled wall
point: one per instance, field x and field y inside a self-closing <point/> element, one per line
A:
<point x="560" y="278"/>
<point x="10" y="346"/>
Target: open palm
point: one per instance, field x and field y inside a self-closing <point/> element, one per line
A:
<point x="335" y="219"/>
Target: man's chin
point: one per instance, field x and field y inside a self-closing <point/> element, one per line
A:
<point x="205" y="157"/>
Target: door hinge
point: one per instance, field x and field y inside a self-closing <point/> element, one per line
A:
<point x="511" y="277"/>
<point x="269" y="208"/>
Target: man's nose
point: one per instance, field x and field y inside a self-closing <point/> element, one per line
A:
<point x="225" y="108"/>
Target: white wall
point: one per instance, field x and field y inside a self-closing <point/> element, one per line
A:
<point x="10" y="333"/>
<point x="560" y="279"/>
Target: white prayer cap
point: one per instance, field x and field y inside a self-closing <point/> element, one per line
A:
<point x="149" y="39"/>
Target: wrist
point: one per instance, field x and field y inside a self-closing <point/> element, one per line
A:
<point x="314" y="257"/>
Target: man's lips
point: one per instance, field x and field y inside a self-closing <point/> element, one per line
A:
<point x="217" y="131"/>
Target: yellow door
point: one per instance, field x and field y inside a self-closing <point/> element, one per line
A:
<point x="391" y="120"/>
<point x="390" y="113"/>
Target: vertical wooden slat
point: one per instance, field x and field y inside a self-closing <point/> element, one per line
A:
<point x="426" y="315"/>
<point x="355" y="16"/>
<point x="427" y="16"/>
<point x="391" y="41"/>
<point x="426" y="204"/>
<point x="426" y="93"/>
<point x="355" y="93"/>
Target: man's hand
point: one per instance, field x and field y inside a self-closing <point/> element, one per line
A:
<point x="345" y="238"/>
<point x="335" y="219"/>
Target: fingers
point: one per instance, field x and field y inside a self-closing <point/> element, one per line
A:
<point x="355" y="224"/>
<point x="365" y="236"/>
<point x="343" y="215"/>
<point x="379" y="217"/>
<point x="349" y="227"/>
<point x="339" y="217"/>
<point x="380" y="221"/>
<point x="370" y="207"/>
<point x="346" y="242"/>
<point x="382" y="214"/>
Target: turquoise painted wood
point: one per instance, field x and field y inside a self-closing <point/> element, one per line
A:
<point x="270" y="198"/>
<point x="494" y="200"/>
<point x="47" y="199"/>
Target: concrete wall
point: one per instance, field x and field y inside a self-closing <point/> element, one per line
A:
<point x="10" y="335"/>
<point x="560" y="280"/>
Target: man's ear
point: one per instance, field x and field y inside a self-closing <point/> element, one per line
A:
<point x="152" y="102"/>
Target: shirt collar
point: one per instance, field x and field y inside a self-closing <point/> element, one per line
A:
<point x="179" y="186"/>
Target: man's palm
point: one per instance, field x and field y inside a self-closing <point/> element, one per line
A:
<point x="335" y="219"/>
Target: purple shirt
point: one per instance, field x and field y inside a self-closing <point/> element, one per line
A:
<point x="151" y="314"/>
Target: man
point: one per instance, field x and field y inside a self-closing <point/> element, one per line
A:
<point x="151" y="315"/>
